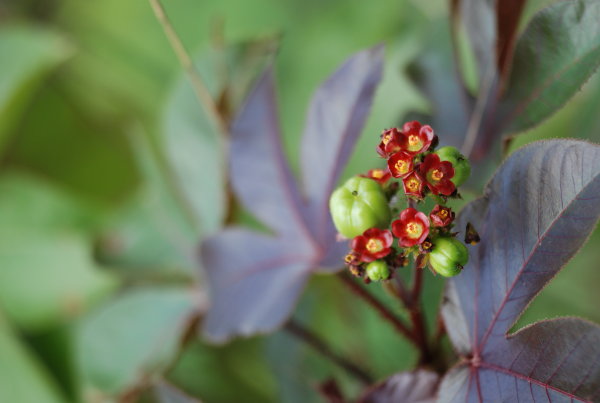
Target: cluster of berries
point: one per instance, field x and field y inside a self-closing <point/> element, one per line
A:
<point x="361" y="207"/>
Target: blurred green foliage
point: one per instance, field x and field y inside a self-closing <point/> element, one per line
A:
<point x="110" y="175"/>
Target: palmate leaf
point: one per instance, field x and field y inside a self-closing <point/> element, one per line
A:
<point x="536" y="213"/>
<point x="255" y="278"/>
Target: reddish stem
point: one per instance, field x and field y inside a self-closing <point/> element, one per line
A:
<point x="398" y="323"/>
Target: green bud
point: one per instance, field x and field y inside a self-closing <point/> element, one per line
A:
<point x="448" y="256"/>
<point x="462" y="167"/>
<point x="358" y="205"/>
<point x="378" y="270"/>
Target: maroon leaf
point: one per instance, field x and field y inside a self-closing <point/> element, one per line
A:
<point x="419" y="386"/>
<point x="537" y="211"/>
<point x="256" y="279"/>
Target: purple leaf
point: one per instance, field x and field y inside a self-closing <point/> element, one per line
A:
<point x="336" y="117"/>
<point x="537" y="211"/>
<point x="555" y="56"/>
<point x="419" y="386"/>
<point x="260" y="174"/>
<point x="256" y="279"/>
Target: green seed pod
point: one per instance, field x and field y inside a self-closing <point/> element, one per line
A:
<point x="358" y="205"/>
<point x="378" y="270"/>
<point x="448" y="256"/>
<point x="462" y="167"/>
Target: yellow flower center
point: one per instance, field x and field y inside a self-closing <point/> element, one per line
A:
<point x="374" y="245"/>
<point x="377" y="173"/>
<point x="442" y="213"/>
<point x="386" y="138"/>
<point x="414" y="143"/>
<point x="348" y="258"/>
<point x="401" y="166"/>
<point x="414" y="229"/>
<point x="413" y="184"/>
<point x="436" y="175"/>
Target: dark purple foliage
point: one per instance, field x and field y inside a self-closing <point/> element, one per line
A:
<point x="255" y="278"/>
<point x="419" y="386"/>
<point x="536" y="213"/>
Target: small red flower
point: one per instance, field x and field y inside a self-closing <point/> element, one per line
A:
<point x="380" y="175"/>
<point x="414" y="185"/>
<point x="441" y="216"/>
<point x="412" y="228"/>
<point x="415" y="138"/>
<point x="400" y="164"/>
<point x="373" y="244"/>
<point x="437" y="175"/>
<point x="390" y="142"/>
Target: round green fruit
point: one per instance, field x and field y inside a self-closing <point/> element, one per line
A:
<point x="378" y="270"/>
<point x="359" y="204"/>
<point x="448" y="256"/>
<point x="462" y="167"/>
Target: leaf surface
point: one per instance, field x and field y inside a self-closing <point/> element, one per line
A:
<point x="256" y="278"/>
<point x="536" y="213"/>
<point x="554" y="57"/>
<point x="419" y="386"/>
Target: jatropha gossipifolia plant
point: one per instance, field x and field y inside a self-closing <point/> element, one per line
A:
<point x="381" y="241"/>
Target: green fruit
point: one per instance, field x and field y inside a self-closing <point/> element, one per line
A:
<point x="462" y="167"/>
<point x="448" y="256"/>
<point x="378" y="270"/>
<point x="358" y="205"/>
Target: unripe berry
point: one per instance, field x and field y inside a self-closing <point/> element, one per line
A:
<point x="462" y="167"/>
<point x="378" y="270"/>
<point x="358" y="205"/>
<point x="448" y="256"/>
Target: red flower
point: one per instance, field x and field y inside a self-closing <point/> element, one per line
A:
<point x="373" y="244"/>
<point x="413" y="185"/>
<point x="412" y="228"/>
<point x="380" y="175"/>
<point x="441" y="216"/>
<point x="437" y="175"/>
<point x="415" y="138"/>
<point x="400" y="164"/>
<point x="390" y="142"/>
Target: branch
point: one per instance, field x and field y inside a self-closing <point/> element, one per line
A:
<point x="319" y="345"/>
<point x="379" y="307"/>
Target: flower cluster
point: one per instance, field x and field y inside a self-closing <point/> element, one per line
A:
<point x="362" y="208"/>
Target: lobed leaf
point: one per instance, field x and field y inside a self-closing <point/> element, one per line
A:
<point x="537" y="211"/>
<point x="555" y="56"/>
<point x="255" y="278"/>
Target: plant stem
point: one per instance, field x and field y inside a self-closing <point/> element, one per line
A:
<point x="417" y="318"/>
<point x="200" y="88"/>
<point x="379" y="307"/>
<point x="203" y="94"/>
<point x="319" y="345"/>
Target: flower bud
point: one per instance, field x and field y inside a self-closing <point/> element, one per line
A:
<point x="358" y="205"/>
<point x="378" y="270"/>
<point x="448" y="256"/>
<point x="462" y="167"/>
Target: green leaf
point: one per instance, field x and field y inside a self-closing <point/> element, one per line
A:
<point x="193" y="144"/>
<point x="556" y="55"/>
<point x="22" y="379"/>
<point x="26" y="55"/>
<point x="132" y="336"/>
<point x="151" y="234"/>
<point x="47" y="276"/>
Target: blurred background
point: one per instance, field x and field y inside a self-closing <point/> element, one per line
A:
<point x="108" y="165"/>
